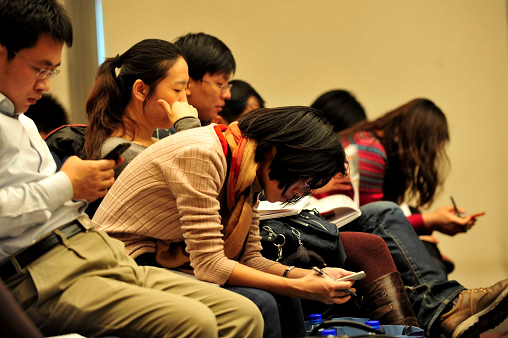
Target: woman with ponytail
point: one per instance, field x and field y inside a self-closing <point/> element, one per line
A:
<point x="135" y="93"/>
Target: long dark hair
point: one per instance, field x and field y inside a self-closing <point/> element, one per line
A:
<point x="414" y="136"/>
<point x="307" y="147"/>
<point x="149" y="61"/>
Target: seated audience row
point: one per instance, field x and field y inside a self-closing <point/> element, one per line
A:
<point x="169" y="82"/>
<point x="205" y="180"/>
<point x="66" y="276"/>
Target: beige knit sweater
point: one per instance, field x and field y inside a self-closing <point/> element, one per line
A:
<point x="170" y="192"/>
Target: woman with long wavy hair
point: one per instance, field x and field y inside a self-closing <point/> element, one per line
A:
<point x="401" y="157"/>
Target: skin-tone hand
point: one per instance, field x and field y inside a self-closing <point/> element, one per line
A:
<point x="178" y="110"/>
<point x="324" y="290"/>
<point x="429" y="238"/>
<point x="446" y="221"/>
<point x="90" y="179"/>
<point x="301" y="283"/>
<point x="338" y="182"/>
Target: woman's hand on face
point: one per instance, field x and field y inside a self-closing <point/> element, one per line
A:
<point x="178" y="110"/>
<point x="317" y="287"/>
<point x="446" y="221"/>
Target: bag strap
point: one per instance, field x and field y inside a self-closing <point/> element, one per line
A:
<point x="349" y="323"/>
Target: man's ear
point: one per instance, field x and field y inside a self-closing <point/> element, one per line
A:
<point x="190" y="86"/>
<point x="270" y="154"/>
<point x="140" y="90"/>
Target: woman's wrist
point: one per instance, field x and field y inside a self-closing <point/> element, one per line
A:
<point x="428" y="221"/>
<point x="296" y="273"/>
<point x="287" y="271"/>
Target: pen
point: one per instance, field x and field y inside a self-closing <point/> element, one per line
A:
<point x="464" y="227"/>
<point x="327" y="276"/>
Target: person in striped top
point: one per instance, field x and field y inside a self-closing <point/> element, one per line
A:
<point x="401" y="157"/>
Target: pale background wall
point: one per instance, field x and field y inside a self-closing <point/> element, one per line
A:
<point x="386" y="52"/>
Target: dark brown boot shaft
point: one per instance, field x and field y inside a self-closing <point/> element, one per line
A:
<point x="386" y="300"/>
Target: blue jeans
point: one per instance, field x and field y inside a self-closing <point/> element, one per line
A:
<point x="283" y="316"/>
<point x="427" y="286"/>
<point x="266" y="304"/>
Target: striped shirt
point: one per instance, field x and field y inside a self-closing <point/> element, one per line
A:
<point x="373" y="164"/>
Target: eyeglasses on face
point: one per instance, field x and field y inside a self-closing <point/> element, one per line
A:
<point x="304" y="188"/>
<point x="222" y="88"/>
<point x="42" y="73"/>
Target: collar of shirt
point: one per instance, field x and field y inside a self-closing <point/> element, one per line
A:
<point x="6" y="106"/>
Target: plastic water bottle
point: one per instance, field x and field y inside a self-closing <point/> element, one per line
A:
<point x="374" y="324"/>
<point x="314" y="321"/>
<point x="329" y="333"/>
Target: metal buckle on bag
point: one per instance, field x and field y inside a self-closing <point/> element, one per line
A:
<point x="274" y="237"/>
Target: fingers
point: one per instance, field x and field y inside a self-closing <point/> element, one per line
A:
<point x="184" y="109"/>
<point x="178" y="110"/>
<point x="341" y="296"/>
<point x="164" y="106"/>
<point x="119" y="162"/>
<point x="429" y="238"/>
<point x="105" y="165"/>
<point x="105" y="182"/>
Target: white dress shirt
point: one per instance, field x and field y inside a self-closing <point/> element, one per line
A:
<point x="34" y="200"/>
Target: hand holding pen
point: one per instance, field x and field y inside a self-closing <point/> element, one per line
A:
<point x="327" y="276"/>
<point x="464" y="227"/>
<point x="472" y="217"/>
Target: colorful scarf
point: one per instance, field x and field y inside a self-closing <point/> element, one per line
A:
<point x="239" y="197"/>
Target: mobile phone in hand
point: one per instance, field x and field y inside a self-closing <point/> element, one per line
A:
<point x="477" y="215"/>
<point x="354" y="276"/>
<point x="119" y="150"/>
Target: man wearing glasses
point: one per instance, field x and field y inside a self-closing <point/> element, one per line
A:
<point x="211" y="64"/>
<point x="65" y="276"/>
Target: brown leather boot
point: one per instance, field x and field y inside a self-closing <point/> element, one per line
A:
<point x="385" y="299"/>
<point x="476" y="311"/>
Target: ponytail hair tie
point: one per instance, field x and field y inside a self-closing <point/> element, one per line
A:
<point x="117" y="62"/>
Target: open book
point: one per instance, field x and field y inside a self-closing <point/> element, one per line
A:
<point x="338" y="209"/>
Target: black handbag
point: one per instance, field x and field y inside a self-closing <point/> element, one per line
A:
<point x="304" y="240"/>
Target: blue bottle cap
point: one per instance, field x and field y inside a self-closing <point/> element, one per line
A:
<point x="373" y="323"/>
<point x="315" y="318"/>
<point x="329" y="332"/>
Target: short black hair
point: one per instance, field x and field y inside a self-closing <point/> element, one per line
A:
<point x="206" y="54"/>
<point x="48" y="114"/>
<point x="22" y="22"/>
<point x="241" y="91"/>
<point x="341" y="108"/>
<point x="307" y="147"/>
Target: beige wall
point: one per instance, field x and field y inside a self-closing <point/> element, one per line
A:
<point x="386" y="52"/>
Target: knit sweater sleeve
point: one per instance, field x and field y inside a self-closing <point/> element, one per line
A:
<point x="196" y="177"/>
